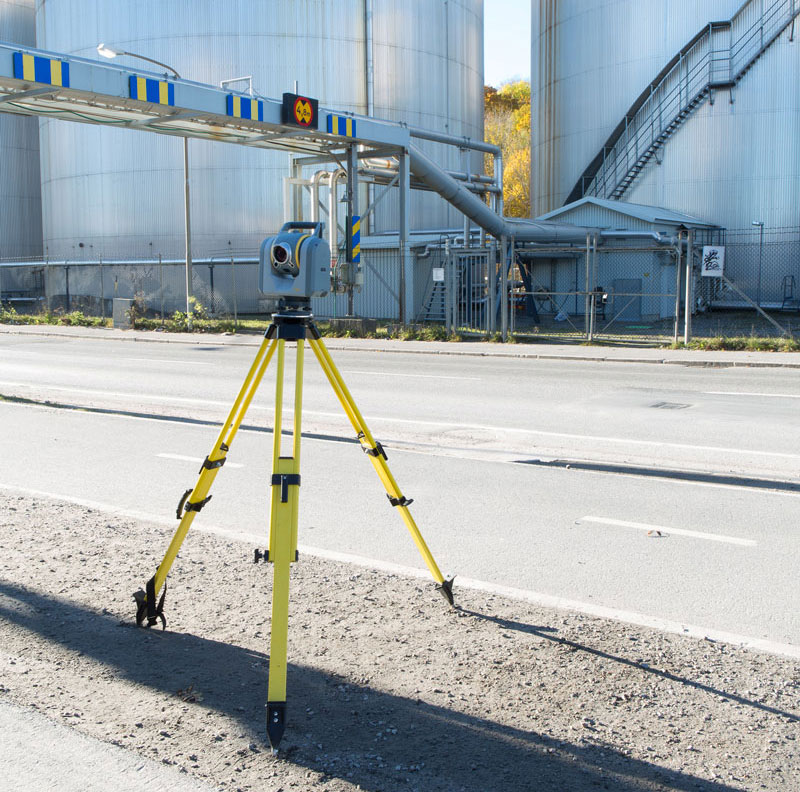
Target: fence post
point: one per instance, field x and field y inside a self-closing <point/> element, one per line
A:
<point x="235" y="309"/>
<point x="102" y="292"/>
<point x="512" y="302"/>
<point x="491" y="276"/>
<point x="504" y="287"/>
<point x="678" y="265"/>
<point x="687" y="325"/>
<point x="161" y="286"/>
<point x="586" y="321"/>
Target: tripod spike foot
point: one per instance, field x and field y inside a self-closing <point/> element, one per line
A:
<point x="276" y="723"/>
<point x="446" y="588"/>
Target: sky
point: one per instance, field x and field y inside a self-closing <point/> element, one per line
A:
<point x="507" y="41"/>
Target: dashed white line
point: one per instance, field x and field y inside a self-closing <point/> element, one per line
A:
<point x="662" y="529"/>
<point x="757" y="395"/>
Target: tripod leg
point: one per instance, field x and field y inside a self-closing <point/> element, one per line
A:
<point x="282" y="543"/>
<point x="378" y="458"/>
<point x="193" y="500"/>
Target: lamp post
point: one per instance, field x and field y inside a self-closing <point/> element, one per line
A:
<point x="110" y="52"/>
<point x="760" y="225"/>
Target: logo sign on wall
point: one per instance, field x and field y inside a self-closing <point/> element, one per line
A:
<point x="300" y="111"/>
<point x="713" y="261"/>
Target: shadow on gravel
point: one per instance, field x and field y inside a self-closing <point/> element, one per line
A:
<point x="340" y="729"/>
<point x="542" y="632"/>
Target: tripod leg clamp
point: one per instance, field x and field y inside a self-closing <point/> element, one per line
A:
<point x="146" y="605"/>
<point x="401" y="501"/>
<point x="284" y="481"/>
<point x="214" y="464"/>
<point x="378" y="451"/>
<point x="185" y="505"/>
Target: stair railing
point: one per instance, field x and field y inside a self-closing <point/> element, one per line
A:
<point x="717" y="57"/>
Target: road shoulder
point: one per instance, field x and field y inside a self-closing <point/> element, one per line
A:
<point x="388" y="688"/>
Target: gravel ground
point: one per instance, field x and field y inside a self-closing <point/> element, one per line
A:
<point x="388" y="688"/>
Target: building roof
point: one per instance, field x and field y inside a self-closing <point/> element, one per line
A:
<point x="605" y="213"/>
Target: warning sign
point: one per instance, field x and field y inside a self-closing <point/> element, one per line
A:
<point x="299" y="111"/>
<point x="713" y="261"/>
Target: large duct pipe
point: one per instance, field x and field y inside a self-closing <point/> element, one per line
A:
<point x="473" y="207"/>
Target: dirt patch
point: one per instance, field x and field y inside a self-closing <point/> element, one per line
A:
<point x="388" y="688"/>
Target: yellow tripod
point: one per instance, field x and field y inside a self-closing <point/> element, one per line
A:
<point x="289" y="325"/>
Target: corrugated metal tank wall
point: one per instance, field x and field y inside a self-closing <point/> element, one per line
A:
<point x="120" y="193"/>
<point x="590" y="59"/>
<point x="20" y="191"/>
<point x="735" y="163"/>
<point x="429" y="73"/>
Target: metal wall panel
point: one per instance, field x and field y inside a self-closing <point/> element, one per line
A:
<point x="20" y="192"/>
<point x="590" y="59"/>
<point x="120" y="193"/>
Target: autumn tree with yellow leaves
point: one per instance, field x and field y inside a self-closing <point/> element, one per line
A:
<point x="507" y="123"/>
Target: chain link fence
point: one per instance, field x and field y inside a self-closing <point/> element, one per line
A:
<point x="623" y="291"/>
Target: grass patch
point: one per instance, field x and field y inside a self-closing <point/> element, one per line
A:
<point x="73" y="319"/>
<point x="741" y="344"/>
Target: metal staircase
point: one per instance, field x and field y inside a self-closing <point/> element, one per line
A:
<point x="716" y="58"/>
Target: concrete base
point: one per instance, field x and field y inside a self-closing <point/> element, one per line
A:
<point x="121" y="313"/>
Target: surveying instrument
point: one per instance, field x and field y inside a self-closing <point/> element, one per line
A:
<point x="293" y="267"/>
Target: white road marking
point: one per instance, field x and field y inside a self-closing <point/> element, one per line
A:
<point x="400" y="374"/>
<point x="759" y="395"/>
<point x="131" y="397"/>
<point x="176" y="363"/>
<point x="567" y="435"/>
<point x="182" y="458"/>
<point x="415" y="421"/>
<point x="104" y="361"/>
<point x="665" y="530"/>
<point x="484" y="455"/>
<point x="525" y="595"/>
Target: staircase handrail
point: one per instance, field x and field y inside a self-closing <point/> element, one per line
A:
<point x="690" y="74"/>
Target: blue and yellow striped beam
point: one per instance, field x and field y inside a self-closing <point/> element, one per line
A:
<point x="35" y="68"/>
<point x="144" y="89"/>
<point x="242" y="107"/>
<point x="344" y="126"/>
<point x="354" y="238"/>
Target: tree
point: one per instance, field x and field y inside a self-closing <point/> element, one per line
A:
<point x="507" y="123"/>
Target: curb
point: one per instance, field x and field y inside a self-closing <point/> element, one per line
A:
<point x="403" y="347"/>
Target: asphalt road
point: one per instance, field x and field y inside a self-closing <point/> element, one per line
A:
<point x="660" y="494"/>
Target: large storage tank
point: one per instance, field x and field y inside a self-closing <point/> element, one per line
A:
<point x="21" y="218"/>
<point x="730" y="162"/>
<point x="114" y="193"/>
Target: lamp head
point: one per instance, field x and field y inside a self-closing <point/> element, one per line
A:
<point x="108" y="52"/>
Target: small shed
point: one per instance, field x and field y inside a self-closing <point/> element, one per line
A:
<point x="635" y="263"/>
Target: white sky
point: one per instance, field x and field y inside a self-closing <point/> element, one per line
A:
<point x="507" y="40"/>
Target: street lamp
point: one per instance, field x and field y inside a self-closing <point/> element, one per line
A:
<point x="109" y="52"/>
<point x="760" y="225"/>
